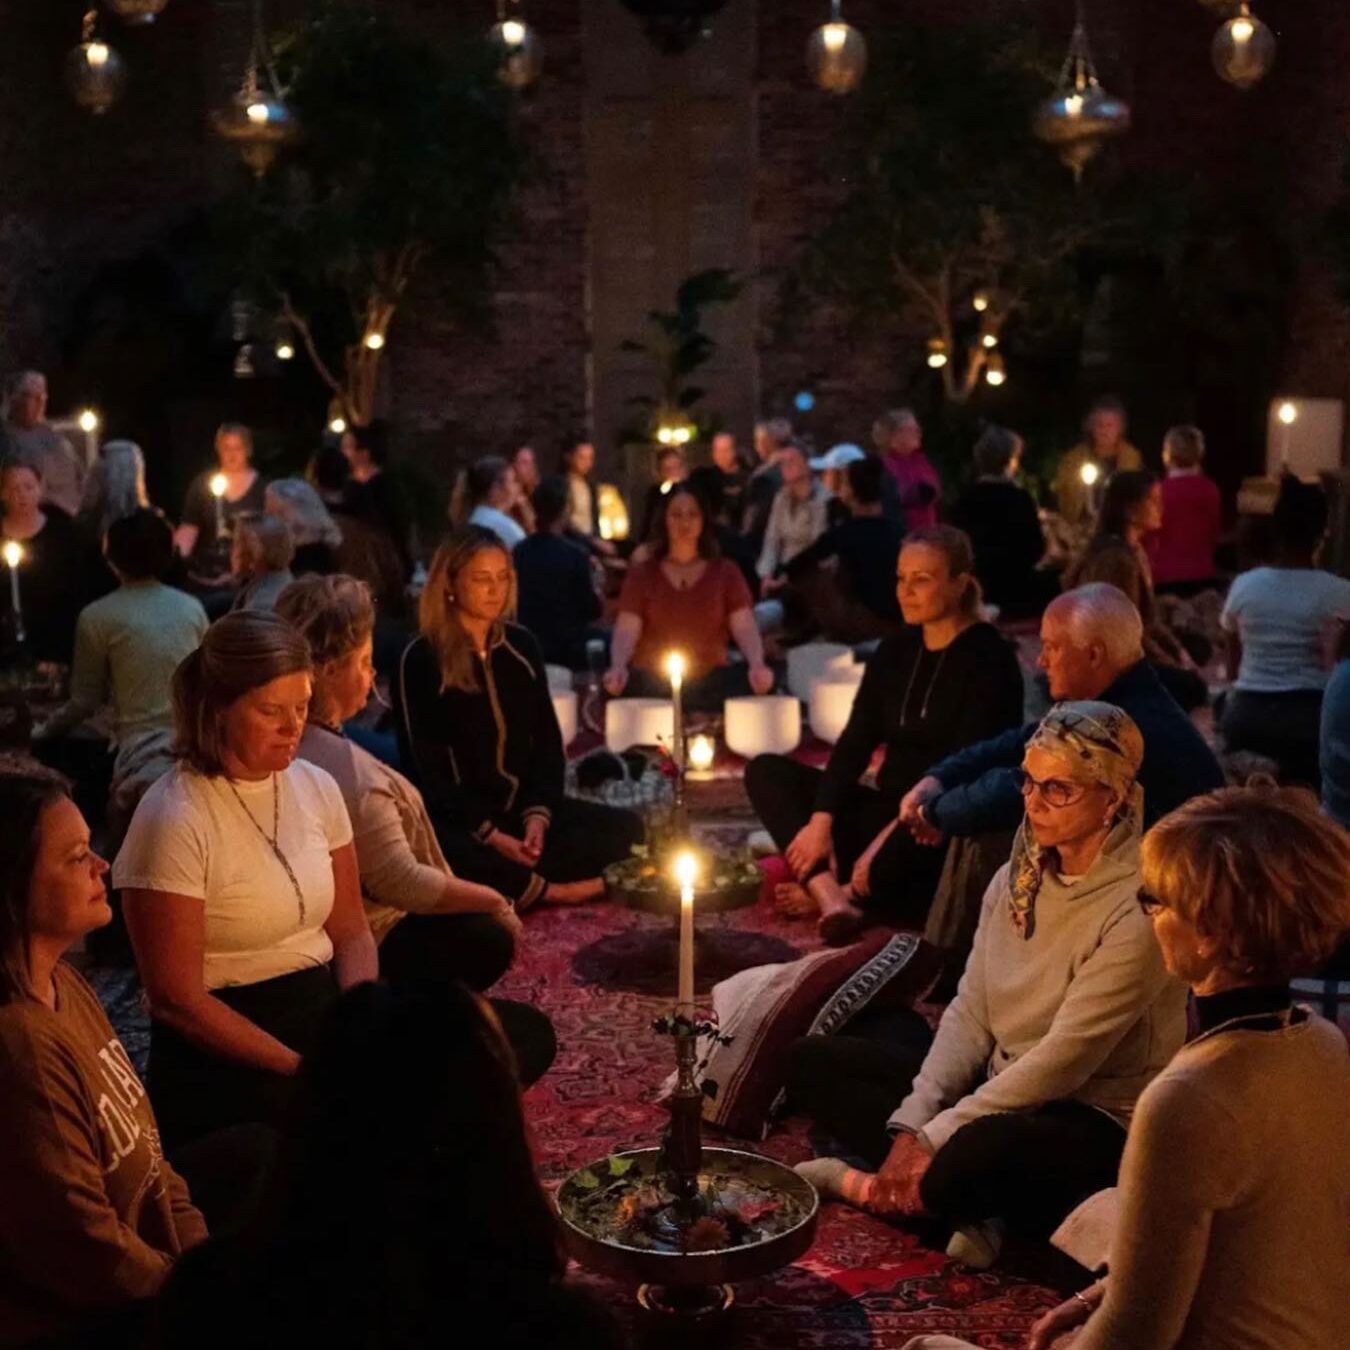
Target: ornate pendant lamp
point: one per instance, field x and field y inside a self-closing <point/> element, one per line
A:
<point x="1080" y="116"/>
<point x="257" y="121"/>
<point x="1243" y="50"/>
<point x="836" y="54"/>
<point x="137" y="12"/>
<point x="94" y="71"/>
<point x="520" y="54"/>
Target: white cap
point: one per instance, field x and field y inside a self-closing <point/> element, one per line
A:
<point x="839" y="457"/>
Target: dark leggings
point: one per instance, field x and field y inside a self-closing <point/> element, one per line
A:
<point x="475" y="948"/>
<point x="583" y="839"/>
<point x="904" y="874"/>
<point x="1283" y="727"/>
<point x="1030" y="1168"/>
<point x="195" y="1092"/>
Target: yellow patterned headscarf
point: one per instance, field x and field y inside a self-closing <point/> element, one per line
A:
<point x="1100" y="746"/>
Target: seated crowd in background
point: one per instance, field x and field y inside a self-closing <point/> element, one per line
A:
<point x="273" y="867"/>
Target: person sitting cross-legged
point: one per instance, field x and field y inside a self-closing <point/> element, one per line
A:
<point x="1017" y="1109"/>
<point x="945" y="682"/>
<point x="430" y="925"/>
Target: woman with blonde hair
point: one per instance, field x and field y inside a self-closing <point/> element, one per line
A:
<point x="240" y="885"/>
<point x="431" y="925"/>
<point x="314" y="532"/>
<point x="486" y="494"/>
<point x="478" y="733"/>
<point x="945" y="682"/>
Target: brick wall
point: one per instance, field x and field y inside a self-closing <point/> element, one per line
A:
<point x="80" y="192"/>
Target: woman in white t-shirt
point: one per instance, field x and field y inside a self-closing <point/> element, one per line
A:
<point x="240" y="886"/>
<point x="1283" y="623"/>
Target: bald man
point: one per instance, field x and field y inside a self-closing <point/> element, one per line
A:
<point x="1091" y="648"/>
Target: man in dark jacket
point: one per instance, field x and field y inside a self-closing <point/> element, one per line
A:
<point x="1092" y="648"/>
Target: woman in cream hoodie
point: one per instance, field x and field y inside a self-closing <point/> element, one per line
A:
<point x="1064" y="1014"/>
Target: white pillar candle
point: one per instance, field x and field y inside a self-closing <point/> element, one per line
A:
<point x="675" y="669"/>
<point x="559" y="679"/>
<point x="686" y="873"/>
<point x="218" y="485"/>
<point x="565" y="706"/>
<point x="763" y="726"/>
<point x="638" y="721"/>
<point x="13" y="557"/>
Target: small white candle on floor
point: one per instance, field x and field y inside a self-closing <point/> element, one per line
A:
<point x="13" y="552"/>
<point x="675" y="669"/>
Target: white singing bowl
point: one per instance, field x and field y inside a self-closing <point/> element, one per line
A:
<point x="813" y="661"/>
<point x="831" y="705"/>
<point x="638" y="721"/>
<point x="565" y="706"/>
<point x="559" y="679"/>
<point x="771" y="725"/>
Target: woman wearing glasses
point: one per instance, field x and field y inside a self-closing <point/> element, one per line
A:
<point x="1017" y="1110"/>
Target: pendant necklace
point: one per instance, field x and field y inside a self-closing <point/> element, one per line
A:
<point x="272" y="842"/>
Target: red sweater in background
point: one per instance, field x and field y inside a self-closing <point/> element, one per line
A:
<point x="1183" y="550"/>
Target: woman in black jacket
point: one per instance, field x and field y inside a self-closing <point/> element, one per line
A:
<point x="478" y="732"/>
<point x="948" y="680"/>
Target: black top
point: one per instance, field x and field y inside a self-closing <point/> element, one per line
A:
<point x="61" y="572"/>
<point x="380" y="502"/>
<point x="867" y="548"/>
<point x="1264" y="1004"/>
<point x="314" y="560"/>
<point x="757" y="501"/>
<point x="733" y="493"/>
<point x="488" y="757"/>
<point x="921" y="706"/>
<point x="556" y="597"/>
<point x="199" y="508"/>
<point x="1005" y="529"/>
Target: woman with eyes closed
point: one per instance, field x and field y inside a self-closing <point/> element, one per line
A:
<point x="240" y="885"/>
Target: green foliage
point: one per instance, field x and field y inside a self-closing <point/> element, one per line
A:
<point x="407" y="165"/>
<point x="677" y="346"/>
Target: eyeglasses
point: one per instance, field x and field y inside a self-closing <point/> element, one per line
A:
<point x="1150" y="903"/>
<point x="1056" y="792"/>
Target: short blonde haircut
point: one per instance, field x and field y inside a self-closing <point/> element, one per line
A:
<point x="335" y="614"/>
<point x="1260" y="871"/>
<point x="243" y="651"/>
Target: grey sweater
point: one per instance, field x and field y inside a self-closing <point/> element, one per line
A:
<point x="1084" y="1009"/>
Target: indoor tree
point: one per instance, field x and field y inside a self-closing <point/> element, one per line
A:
<point x="405" y="170"/>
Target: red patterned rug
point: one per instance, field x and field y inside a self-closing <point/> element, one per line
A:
<point x="863" y="1284"/>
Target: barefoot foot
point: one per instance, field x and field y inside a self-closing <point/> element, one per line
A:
<point x="795" y="901"/>
<point x="574" y="892"/>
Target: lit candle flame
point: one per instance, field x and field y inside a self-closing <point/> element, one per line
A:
<point x="675" y="668"/>
<point x="13" y="552"/>
<point x="1089" y="473"/>
<point x="1288" y="413"/>
<point x="702" y="752"/>
<point x="96" y="53"/>
<point x="88" y="420"/>
<point x="686" y="871"/>
<point x="834" y="36"/>
<point x="218" y="484"/>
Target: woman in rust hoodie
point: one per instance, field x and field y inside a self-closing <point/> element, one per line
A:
<point x="92" y="1217"/>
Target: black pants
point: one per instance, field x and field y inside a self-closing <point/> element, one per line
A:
<point x="1283" y="727"/>
<point x="904" y="874"/>
<point x="1030" y="1168"/>
<point x="707" y="693"/>
<point x="195" y="1093"/>
<point x="226" y="1173"/>
<point x="583" y="839"/>
<point x="475" y="948"/>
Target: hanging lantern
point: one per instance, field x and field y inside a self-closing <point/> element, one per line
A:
<point x="1243" y="50"/>
<point x="137" y="12"/>
<point x="836" y="54"/>
<point x="520" y="53"/>
<point x="1080" y="116"/>
<point x="257" y="121"/>
<point x="94" y="72"/>
<point x="937" y="353"/>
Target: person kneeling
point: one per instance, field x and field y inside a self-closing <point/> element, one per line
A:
<point x="1065" y="1013"/>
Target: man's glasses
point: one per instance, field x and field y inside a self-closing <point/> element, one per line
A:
<point x="1055" y="792"/>
<point x="1150" y="903"/>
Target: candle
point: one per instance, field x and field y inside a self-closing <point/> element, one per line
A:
<point x="675" y="669"/>
<point x="218" y="485"/>
<point x="702" y="752"/>
<point x="13" y="552"/>
<point x="686" y="873"/>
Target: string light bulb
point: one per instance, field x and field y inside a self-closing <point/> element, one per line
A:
<point x="373" y="341"/>
<point x="337" y="425"/>
<point x="94" y="71"/>
<point x="937" y="353"/>
<point x="87" y="421"/>
<point x="519" y="52"/>
<point x="979" y="302"/>
<point x="995" y="373"/>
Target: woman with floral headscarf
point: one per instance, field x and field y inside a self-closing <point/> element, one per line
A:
<point x="1018" y="1109"/>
